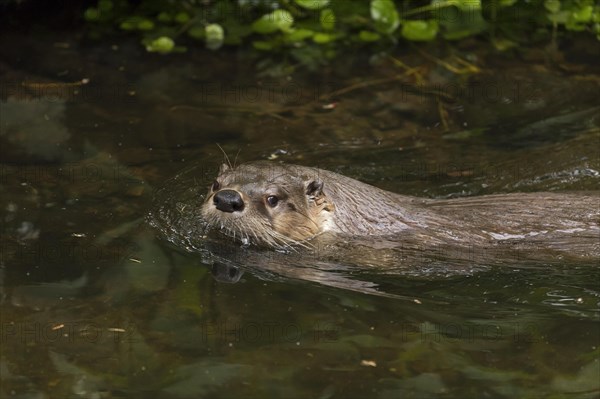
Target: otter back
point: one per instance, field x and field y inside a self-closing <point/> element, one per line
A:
<point x="279" y="205"/>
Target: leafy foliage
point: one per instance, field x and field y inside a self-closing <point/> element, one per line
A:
<point x="314" y="30"/>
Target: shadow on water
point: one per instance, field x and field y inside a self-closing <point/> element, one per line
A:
<point x="96" y="303"/>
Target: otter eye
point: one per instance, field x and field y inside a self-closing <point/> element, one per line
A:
<point x="215" y="186"/>
<point x="272" y="201"/>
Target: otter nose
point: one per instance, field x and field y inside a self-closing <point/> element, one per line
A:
<point x="228" y="201"/>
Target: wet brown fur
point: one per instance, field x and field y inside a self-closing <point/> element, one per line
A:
<point x="313" y="201"/>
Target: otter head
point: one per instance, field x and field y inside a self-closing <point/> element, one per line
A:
<point x="268" y="204"/>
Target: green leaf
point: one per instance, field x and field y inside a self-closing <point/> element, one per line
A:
<point x="145" y="24"/>
<point x="131" y="23"/>
<point x="214" y="36"/>
<point x="105" y="5"/>
<point x="164" y="17"/>
<point x="91" y="14"/>
<point x="368" y="36"/>
<point x="197" y="32"/>
<point x="385" y="15"/>
<point x="457" y="24"/>
<point x="327" y="19"/>
<point x="182" y="17"/>
<point x="298" y="35"/>
<point x="467" y="5"/>
<point x="161" y="45"/>
<point x="458" y="34"/>
<point x="553" y="6"/>
<point x="574" y="26"/>
<point x="272" y="22"/>
<point x="463" y="5"/>
<point x="126" y="25"/>
<point x="236" y="32"/>
<point x="583" y="15"/>
<point x="561" y="17"/>
<point x="262" y="45"/>
<point x="420" y="30"/>
<point x="313" y="4"/>
<point x="323" y="38"/>
<point x="447" y="9"/>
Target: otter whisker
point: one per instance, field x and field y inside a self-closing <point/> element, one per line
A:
<point x="286" y="242"/>
<point x="226" y="157"/>
<point x="236" y="158"/>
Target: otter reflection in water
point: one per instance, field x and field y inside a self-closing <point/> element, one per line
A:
<point x="283" y="206"/>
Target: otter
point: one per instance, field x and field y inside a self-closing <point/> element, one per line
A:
<point x="282" y="206"/>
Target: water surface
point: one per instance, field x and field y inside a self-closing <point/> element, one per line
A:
<point x="97" y="303"/>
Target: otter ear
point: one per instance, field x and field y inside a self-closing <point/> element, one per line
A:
<point x="224" y="168"/>
<point x="314" y="188"/>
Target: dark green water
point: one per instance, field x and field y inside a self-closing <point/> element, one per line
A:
<point x="96" y="303"/>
